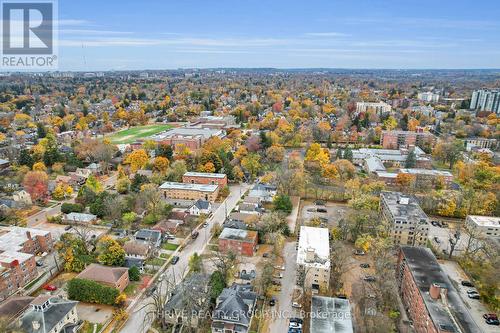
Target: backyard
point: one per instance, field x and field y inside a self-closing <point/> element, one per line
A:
<point x="134" y="133"/>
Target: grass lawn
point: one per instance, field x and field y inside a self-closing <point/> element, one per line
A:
<point x="169" y="246"/>
<point x="164" y="255"/>
<point x="132" y="134"/>
<point x="129" y="290"/>
<point x="155" y="262"/>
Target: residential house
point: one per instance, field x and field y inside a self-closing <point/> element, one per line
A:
<point x="152" y="237"/>
<point x="49" y="314"/>
<point x="115" y="277"/>
<point x="80" y="218"/>
<point x="264" y="192"/>
<point x="14" y="306"/>
<point x="234" y="310"/>
<point x="188" y="301"/>
<point x="201" y="207"/>
<point x="168" y="226"/>
<point x="22" y="198"/>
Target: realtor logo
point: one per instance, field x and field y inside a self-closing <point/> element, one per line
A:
<point x="28" y="34"/>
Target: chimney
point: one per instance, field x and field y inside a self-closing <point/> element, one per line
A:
<point x="310" y="254"/>
<point x="436" y="290"/>
<point x="28" y="235"/>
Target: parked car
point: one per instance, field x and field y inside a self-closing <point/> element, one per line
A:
<point x="467" y="283"/>
<point x="319" y="203"/>
<point x="436" y="224"/>
<point x="39" y="263"/>
<point x="359" y="252"/>
<point x="369" y="278"/>
<point x="296" y="305"/>
<point x="295" y="323"/>
<point x="50" y="287"/>
<point x="473" y="295"/>
<point x="174" y="260"/>
<point x="205" y="224"/>
<point x="161" y="277"/>
<point x="491" y="319"/>
<point x="281" y="268"/>
<point x="272" y="302"/>
<point x="364" y="265"/>
<point x="437" y="240"/>
<point x="150" y="291"/>
<point x="194" y="234"/>
<point x="68" y="227"/>
<point x="276" y="282"/>
<point x="321" y="210"/>
<point x="342" y="296"/>
<point x="278" y="276"/>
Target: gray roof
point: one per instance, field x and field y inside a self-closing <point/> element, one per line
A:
<point x="48" y="318"/>
<point x="192" y="290"/>
<point x="425" y="271"/>
<point x="148" y="235"/>
<point x="330" y="315"/>
<point x="235" y="305"/>
<point x="202" y="204"/>
<point x="403" y="206"/>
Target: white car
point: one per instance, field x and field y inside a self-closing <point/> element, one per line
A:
<point x="296" y="305"/>
<point x="281" y="268"/>
<point x="161" y="277"/>
<point x="278" y="276"/>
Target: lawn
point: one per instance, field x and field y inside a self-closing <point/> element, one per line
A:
<point x="169" y="246"/>
<point x="132" y="134"/>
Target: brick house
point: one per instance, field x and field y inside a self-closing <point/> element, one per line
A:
<point x="115" y="277"/>
<point x="241" y="242"/>
<point x="205" y="178"/>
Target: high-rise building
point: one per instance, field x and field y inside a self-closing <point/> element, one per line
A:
<point x="428" y="97"/>
<point x="485" y="100"/>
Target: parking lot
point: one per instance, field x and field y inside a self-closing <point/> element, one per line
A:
<point x="476" y="308"/>
<point x="439" y="237"/>
<point x="330" y="211"/>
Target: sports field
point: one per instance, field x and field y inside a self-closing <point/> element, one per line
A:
<point x="132" y="134"/>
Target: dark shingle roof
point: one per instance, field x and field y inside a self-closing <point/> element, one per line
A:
<point x="48" y="318"/>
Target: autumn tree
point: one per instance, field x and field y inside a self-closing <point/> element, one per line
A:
<point x="161" y="164"/>
<point x="137" y="159"/>
<point x="36" y="184"/>
<point x="251" y="163"/>
<point x="110" y="252"/>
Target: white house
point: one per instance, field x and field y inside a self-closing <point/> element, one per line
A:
<point x="200" y="207"/>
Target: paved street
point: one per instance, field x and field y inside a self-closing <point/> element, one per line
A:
<point x="283" y="305"/>
<point x="137" y="322"/>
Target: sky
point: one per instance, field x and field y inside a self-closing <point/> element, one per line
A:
<point x="168" y="34"/>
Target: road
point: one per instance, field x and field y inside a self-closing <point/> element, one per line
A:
<point x="284" y="299"/>
<point x="40" y="218"/>
<point x="138" y="321"/>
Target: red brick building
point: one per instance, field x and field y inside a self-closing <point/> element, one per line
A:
<point x="429" y="298"/>
<point x="26" y="240"/>
<point x="16" y="270"/>
<point x="205" y="178"/>
<point x="405" y="139"/>
<point x="240" y="242"/>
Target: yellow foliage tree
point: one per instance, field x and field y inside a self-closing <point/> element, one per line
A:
<point x="39" y="166"/>
<point x="137" y="159"/>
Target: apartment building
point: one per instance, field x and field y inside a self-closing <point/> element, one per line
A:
<point x="428" y="97"/>
<point x="430" y="299"/>
<point x="405" y="139"/>
<point x="488" y="226"/>
<point x="379" y="107"/>
<point x="485" y="100"/>
<point x="313" y="257"/>
<point x="492" y="144"/>
<point x="16" y="270"/>
<point x="189" y="191"/>
<point x="205" y="178"/>
<point x="193" y="137"/>
<point x="405" y="219"/>
<point x="26" y="240"/>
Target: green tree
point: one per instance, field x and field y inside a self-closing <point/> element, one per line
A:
<point x="282" y="203"/>
<point x="251" y="163"/>
<point x="134" y="274"/>
<point x="411" y="159"/>
<point x="195" y="263"/>
<point x="89" y="291"/>
<point x="217" y="284"/>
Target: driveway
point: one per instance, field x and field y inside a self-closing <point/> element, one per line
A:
<point x="138" y="321"/>
<point x="443" y="235"/>
<point x="476" y="308"/>
<point x="283" y="307"/>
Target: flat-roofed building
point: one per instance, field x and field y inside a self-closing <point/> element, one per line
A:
<point x="205" y="178"/>
<point x="377" y="107"/>
<point x="427" y="177"/>
<point x="313" y="257"/>
<point x="429" y="297"/>
<point x="189" y="191"/>
<point x="403" y="139"/>
<point x="407" y="221"/>
<point x="488" y="226"/>
<point x="16" y="270"/>
<point x="27" y="240"/>
<point x="330" y="315"/>
<point x="238" y="241"/>
<point x="193" y="137"/>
